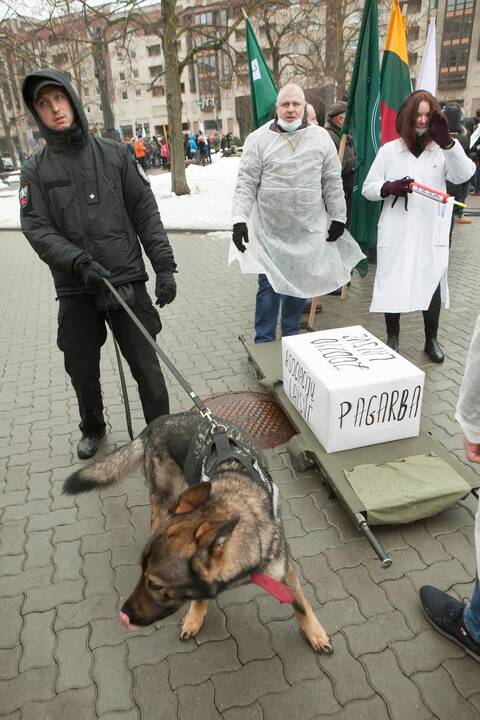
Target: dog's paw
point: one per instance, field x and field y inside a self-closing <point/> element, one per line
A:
<point x="321" y="643"/>
<point x="315" y="634"/>
<point x="189" y="628"/>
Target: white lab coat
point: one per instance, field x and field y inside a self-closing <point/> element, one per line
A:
<point x="468" y="410"/>
<point x="288" y="189"/>
<point x="412" y="246"/>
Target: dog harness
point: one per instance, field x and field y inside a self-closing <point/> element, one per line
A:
<point x="222" y="448"/>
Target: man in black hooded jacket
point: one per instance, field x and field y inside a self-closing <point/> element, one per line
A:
<point x="84" y="205"/>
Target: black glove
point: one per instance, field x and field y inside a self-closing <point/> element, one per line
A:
<point x="438" y="130"/>
<point x="240" y="236"/>
<point x="335" y="230"/>
<point x="92" y="274"/>
<point x="165" y="288"/>
<point x="400" y="188"/>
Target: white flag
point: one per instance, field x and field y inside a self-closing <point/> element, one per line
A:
<point x="427" y="78"/>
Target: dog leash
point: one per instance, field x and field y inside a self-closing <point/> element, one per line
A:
<point x="204" y="410"/>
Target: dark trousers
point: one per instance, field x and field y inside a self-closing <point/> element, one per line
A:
<point x="82" y="332"/>
<point x="430" y="318"/>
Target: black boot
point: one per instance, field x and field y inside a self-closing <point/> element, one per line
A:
<point x="433" y="350"/>
<point x="392" y="342"/>
<point x="88" y="446"/>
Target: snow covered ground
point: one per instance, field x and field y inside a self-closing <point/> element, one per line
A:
<point x="208" y="207"/>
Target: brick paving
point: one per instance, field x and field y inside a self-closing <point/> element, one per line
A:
<point x="67" y="563"/>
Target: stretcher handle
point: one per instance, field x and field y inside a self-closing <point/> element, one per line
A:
<point x="376" y="545"/>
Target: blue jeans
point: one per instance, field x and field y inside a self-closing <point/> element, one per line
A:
<point x="471" y="614"/>
<point x="267" y="309"/>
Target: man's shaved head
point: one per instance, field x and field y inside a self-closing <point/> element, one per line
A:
<point x="290" y="103"/>
<point x="289" y="89"/>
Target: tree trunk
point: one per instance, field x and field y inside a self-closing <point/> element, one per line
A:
<point x="174" y="97"/>
<point x="6" y="129"/>
<point x="330" y="52"/>
<point x="100" y="71"/>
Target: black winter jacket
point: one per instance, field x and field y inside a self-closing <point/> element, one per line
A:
<point x="83" y="197"/>
<point x="348" y="162"/>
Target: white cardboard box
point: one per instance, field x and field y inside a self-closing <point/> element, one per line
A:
<point x="351" y="388"/>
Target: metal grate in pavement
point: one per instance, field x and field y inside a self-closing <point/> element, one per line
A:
<point x="257" y="412"/>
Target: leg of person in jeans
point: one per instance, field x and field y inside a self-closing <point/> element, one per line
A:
<point x="267" y="306"/>
<point x="392" y="322"/>
<point x="430" y="319"/>
<point x="471" y="614"/>
<point x="292" y="308"/>
<point x="141" y="357"/>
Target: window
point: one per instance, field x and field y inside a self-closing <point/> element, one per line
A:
<point x="413" y="32"/>
<point x="182" y="87"/>
<point x="158" y="91"/>
<point x="86" y="91"/>
<point x="135" y="73"/>
<point x="89" y="109"/>
<point x="412" y="58"/>
<point x="122" y="75"/>
<point x="155" y="70"/>
<point x="119" y="55"/>
<point x="60" y="58"/>
<point x="124" y="95"/>
<point x="138" y="92"/>
<point x="133" y="54"/>
<point x="153" y="50"/>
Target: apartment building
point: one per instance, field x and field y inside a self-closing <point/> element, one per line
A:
<point x="215" y="89"/>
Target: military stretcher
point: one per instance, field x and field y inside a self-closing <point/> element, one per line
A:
<point x="387" y="483"/>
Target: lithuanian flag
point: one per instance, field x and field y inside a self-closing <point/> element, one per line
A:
<point x="395" y="83"/>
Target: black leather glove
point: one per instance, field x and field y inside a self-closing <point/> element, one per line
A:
<point x="335" y="230"/>
<point x="396" y="187"/>
<point x="92" y="274"/>
<point x="438" y="130"/>
<point x="240" y="236"/>
<point x="165" y="288"/>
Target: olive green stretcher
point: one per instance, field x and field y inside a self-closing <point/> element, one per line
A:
<point x="388" y="483"/>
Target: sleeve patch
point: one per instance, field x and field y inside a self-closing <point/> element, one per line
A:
<point x="24" y="196"/>
<point x="142" y="173"/>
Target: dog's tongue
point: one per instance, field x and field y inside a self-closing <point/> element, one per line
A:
<point x="125" y="620"/>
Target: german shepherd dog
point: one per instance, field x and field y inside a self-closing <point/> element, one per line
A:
<point x="206" y="536"/>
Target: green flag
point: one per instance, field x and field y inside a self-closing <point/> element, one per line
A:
<point x="262" y="88"/>
<point x="362" y="121"/>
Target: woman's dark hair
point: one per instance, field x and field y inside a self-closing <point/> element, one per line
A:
<point x="406" y="120"/>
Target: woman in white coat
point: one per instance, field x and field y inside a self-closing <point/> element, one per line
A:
<point x="413" y="231"/>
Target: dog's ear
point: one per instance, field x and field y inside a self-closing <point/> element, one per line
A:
<point x="214" y="534"/>
<point x="192" y="498"/>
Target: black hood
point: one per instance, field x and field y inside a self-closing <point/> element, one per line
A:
<point x="62" y="139"/>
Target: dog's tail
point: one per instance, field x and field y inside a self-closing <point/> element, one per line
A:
<point x="109" y="471"/>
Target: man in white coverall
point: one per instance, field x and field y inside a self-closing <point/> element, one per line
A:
<point x="454" y="619"/>
<point x="289" y="191"/>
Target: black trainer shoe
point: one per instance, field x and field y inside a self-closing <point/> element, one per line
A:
<point x="434" y="351"/>
<point x="88" y="446"/>
<point x="445" y="613"/>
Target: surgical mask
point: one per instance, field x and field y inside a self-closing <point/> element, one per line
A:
<point x="421" y="131"/>
<point x="289" y="126"/>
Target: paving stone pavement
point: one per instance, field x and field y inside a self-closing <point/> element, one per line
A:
<point x="67" y="563"/>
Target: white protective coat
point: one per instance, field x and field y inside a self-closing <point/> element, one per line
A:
<point x="412" y="246"/>
<point x="468" y="410"/>
<point x="282" y="191"/>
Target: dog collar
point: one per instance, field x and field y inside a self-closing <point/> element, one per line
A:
<point x="277" y="589"/>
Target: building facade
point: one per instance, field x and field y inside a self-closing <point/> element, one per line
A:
<point x="215" y="89"/>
